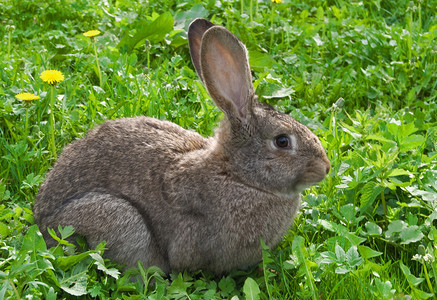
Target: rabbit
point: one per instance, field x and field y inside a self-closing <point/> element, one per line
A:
<point x="167" y="196"/>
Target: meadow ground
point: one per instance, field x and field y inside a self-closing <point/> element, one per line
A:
<point x="362" y="75"/>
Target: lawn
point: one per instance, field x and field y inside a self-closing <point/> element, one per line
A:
<point x="362" y="75"/>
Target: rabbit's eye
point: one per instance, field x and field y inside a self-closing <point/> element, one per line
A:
<point x="283" y="141"/>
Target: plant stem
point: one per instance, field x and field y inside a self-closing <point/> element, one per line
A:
<point x="266" y="277"/>
<point x="427" y="278"/>
<point x="410" y="36"/>
<point x="9" y="43"/>
<point x="383" y="203"/>
<point x="26" y="124"/>
<point x="99" y="73"/>
<point x="17" y="67"/>
<point x="17" y="294"/>
<point x="251" y="12"/>
<point x="256" y="9"/>
<point x="52" y="121"/>
<point x="148" y="59"/>
<point x="272" y="14"/>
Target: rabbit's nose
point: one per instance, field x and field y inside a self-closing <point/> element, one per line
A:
<point x="328" y="167"/>
<point x="328" y="164"/>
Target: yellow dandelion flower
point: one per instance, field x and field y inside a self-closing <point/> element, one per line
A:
<point x="91" y="33"/>
<point x="52" y="76"/>
<point x="27" y="96"/>
<point x="277" y="1"/>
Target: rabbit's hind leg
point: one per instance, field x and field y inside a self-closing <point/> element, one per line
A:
<point x="105" y="217"/>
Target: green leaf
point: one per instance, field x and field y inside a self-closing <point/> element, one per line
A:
<point x="267" y="259"/>
<point x="379" y="138"/>
<point x="320" y="13"/>
<point x="419" y="294"/>
<point x="35" y="246"/>
<point x="183" y="17"/>
<point x="404" y="135"/>
<point x="351" y="130"/>
<point x="394" y="127"/>
<point x="395" y="226"/>
<point x="298" y="247"/>
<point x="61" y="241"/>
<point x="260" y="61"/>
<point x="251" y="289"/>
<point x="154" y="31"/>
<point x="66" y="262"/>
<point x="66" y="232"/>
<point x="411" y="143"/>
<point x="348" y="211"/>
<point x="51" y="294"/>
<point x="178" y="38"/>
<point x="413" y="280"/>
<point x="412" y="219"/>
<point x="353" y="258"/>
<point x="280" y="92"/>
<point x="398" y="172"/>
<point x="353" y="238"/>
<point x="226" y="285"/>
<point x="95" y="290"/>
<point x="340" y="254"/>
<point x="31" y="181"/>
<point x="411" y="234"/>
<point x="337" y="12"/>
<point x="33" y="241"/>
<point x="373" y="229"/>
<point x="101" y="266"/>
<point x="75" y="287"/>
<point x="326" y="224"/>
<point x="179" y="287"/>
<point x="342" y="231"/>
<point x="369" y="192"/>
<point x="342" y="270"/>
<point x="384" y="289"/>
<point x="367" y="252"/>
<point x="75" y="281"/>
<point x="4" y="230"/>
<point x="425" y="195"/>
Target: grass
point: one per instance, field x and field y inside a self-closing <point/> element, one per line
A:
<point x="361" y="75"/>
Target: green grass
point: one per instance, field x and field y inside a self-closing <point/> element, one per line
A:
<point x="361" y="74"/>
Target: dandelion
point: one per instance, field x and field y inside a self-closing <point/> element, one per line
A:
<point x="91" y="33"/>
<point x="27" y="96"/>
<point x="277" y="1"/>
<point x="52" y="77"/>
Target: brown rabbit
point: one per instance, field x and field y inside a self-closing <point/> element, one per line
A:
<point x="172" y="198"/>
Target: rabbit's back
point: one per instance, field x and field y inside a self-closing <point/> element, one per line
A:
<point x="125" y="156"/>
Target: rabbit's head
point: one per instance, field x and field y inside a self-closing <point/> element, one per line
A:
<point x="266" y="149"/>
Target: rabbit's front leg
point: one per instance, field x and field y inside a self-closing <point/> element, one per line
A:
<point x="104" y="217"/>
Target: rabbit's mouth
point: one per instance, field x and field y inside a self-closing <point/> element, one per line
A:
<point x="303" y="185"/>
<point x="311" y="177"/>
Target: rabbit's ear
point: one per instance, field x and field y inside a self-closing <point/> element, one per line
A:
<point x="195" y="33"/>
<point x="226" y="72"/>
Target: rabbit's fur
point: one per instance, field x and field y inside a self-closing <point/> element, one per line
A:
<point x="172" y="198"/>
